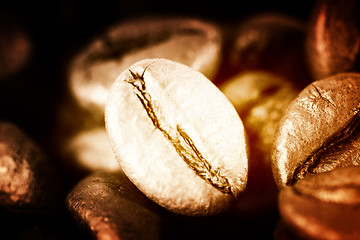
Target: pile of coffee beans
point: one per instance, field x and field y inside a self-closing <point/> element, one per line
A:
<point x="180" y="124"/>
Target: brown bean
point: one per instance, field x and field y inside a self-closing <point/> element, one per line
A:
<point x="109" y="206"/>
<point x="91" y="151"/>
<point x="15" y="46"/>
<point x="260" y="99"/>
<point x="319" y="131"/>
<point x="270" y="42"/>
<point x="192" y="42"/>
<point x="28" y="180"/>
<point x="92" y="71"/>
<point x="324" y="206"/>
<point x="333" y="38"/>
<point x="177" y="137"/>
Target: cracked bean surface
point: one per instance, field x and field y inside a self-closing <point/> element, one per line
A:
<point x="177" y="137"/>
<point x="320" y="130"/>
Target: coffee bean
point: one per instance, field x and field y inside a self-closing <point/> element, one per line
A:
<point x="109" y="206"/>
<point x="28" y="183"/>
<point x="324" y="206"/>
<point x="189" y="41"/>
<point x="177" y="137"/>
<point x="91" y="151"/>
<point x="333" y="38"/>
<point x="260" y="99"/>
<point x="269" y="42"/>
<point x="319" y="131"/>
<point x="80" y="141"/>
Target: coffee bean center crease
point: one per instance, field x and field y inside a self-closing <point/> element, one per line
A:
<point x="340" y="150"/>
<point x="179" y="139"/>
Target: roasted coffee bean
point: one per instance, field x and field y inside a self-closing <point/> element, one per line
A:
<point x="91" y="151"/>
<point x="177" y="137"/>
<point x="192" y="42"/>
<point x="333" y="38"/>
<point x="189" y="41"/>
<point x="80" y="141"/>
<point x="28" y="182"/>
<point x="324" y="205"/>
<point x="111" y="207"/>
<point x="260" y="99"/>
<point x="269" y="42"/>
<point x="319" y="131"/>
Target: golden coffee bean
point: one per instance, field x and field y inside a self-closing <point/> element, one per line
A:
<point x="319" y="131"/>
<point x="190" y="41"/>
<point x="92" y="150"/>
<point x="177" y="137"/>
<point x="260" y="99"/>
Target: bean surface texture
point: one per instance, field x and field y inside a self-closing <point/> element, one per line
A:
<point x="319" y="131"/>
<point x="177" y="137"/>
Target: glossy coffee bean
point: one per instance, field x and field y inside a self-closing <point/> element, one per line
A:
<point x="324" y="206"/>
<point x="269" y="42"/>
<point x="90" y="150"/>
<point x="190" y="41"/>
<point x="92" y="71"/>
<point x="28" y="183"/>
<point x="177" y="137"/>
<point x="319" y="131"/>
<point x="260" y="99"/>
<point x="333" y="38"/>
<point x="109" y="206"/>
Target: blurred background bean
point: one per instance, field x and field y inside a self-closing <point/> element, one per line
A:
<point x="29" y="182"/>
<point x="272" y="42"/>
<point x="109" y="206"/>
<point x="95" y="67"/>
<point x="324" y="205"/>
<point x="260" y="99"/>
<point x="333" y="38"/>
